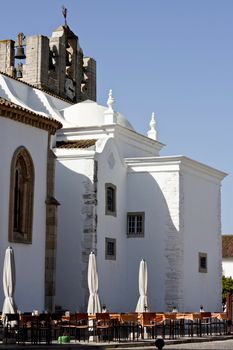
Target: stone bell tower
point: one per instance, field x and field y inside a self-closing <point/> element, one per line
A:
<point x="55" y="64"/>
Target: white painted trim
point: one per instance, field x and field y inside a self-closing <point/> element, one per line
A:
<point x="174" y="163"/>
<point x="73" y="153"/>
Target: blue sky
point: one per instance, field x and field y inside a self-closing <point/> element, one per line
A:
<point x="173" y="57"/>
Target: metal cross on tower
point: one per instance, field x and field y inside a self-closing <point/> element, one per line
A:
<point x="64" y="12"/>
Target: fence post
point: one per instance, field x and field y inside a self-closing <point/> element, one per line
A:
<point x="229" y="312"/>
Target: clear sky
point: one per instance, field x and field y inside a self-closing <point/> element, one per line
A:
<point x="173" y="57"/>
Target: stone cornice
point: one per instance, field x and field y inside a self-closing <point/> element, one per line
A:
<point x="175" y="163"/>
<point x="135" y="136"/>
<point x="17" y="113"/>
<point x="111" y="130"/>
<point x="63" y="153"/>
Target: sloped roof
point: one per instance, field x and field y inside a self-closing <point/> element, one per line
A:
<point x="49" y="92"/>
<point x="227" y="246"/>
<point x="15" y="112"/>
<point x="76" y="144"/>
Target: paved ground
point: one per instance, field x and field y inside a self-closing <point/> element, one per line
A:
<point x="216" y="345"/>
<point x="212" y="345"/>
<point x="198" y="344"/>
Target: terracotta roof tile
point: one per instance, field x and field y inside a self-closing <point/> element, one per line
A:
<point x="227" y="246"/>
<point x="76" y="144"/>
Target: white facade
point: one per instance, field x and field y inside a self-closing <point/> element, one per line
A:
<point x="29" y="258"/>
<point x="227" y="267"/>
<point x="181" y="202"/>
<point x="179" y="198"/>
<point x="227" y="255"/>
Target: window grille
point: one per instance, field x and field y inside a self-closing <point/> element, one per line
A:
<point x="110" y="248"/>
<point x="135" y="224"/>
<point x="110" y="199"/>
<point x="202" y="262"/>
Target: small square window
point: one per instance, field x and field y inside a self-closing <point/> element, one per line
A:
<point x="203" y="262"/>
<point x="135" y="224"/>
<point x="110" y="199"/>
<point x="110" y="248"/>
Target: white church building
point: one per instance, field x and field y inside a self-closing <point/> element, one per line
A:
<point x="76" y="177"/>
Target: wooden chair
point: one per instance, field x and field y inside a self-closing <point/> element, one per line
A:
<point x="103" y="326"/>
<point x="44" y="328"/>
<point x="129" y="328"/>
<point x="11" y="327"/>
<point x="205" y="323"/>
<point x="171" y="325"/>
<point x="196" y="324"/>
<point x="64" y="325"/>
<point x="218" y="323"/>
<point x="116" y="325"/>
<point x="181" y="324"/>
<point x="152" y="324"/>
<point x="56" y="329"/>
<point x="29" y="328"/>
<point x="82" y="326"/>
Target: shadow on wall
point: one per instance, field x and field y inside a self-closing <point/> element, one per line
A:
<point x="162" y="244"/>
<point x="76" y="234"/>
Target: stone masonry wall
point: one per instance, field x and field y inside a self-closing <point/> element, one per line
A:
<point x="55" y="64"/>
<point x="89" y="86"/>
<point x="174" y="244"/>
<point x="7" y="57"/>
<point x="51" y="235"/>
<point x="89" y="237"/>
<point x="36" y="67"/>
<point x="56" y="77"/>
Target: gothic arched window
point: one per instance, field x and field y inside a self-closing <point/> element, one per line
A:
<point x="21" y="197"/>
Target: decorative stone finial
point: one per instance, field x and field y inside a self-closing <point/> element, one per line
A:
<point x="110" y="101"/>
<point x="110" y="115"/>
<point x="152" y="133"/>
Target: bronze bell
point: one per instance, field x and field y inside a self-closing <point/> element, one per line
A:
<point x="20" y="53"/>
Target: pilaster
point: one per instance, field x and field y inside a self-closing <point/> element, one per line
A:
<point x="51" y="235"/>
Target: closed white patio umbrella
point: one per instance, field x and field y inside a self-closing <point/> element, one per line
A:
<point x="92" y="277"/>
<point x="142" y="304"/>
<point x="9" y="281"/>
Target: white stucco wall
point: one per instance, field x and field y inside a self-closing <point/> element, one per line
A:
<point x="182" y="218"/>
<point x="29" y="258"/>
<point x="157" y="194"/>
<point x="74" y="178"/>
<point x="202" y="230"/>
<point x="112" y="273"/>
<point x="132" y="144"/>
<point x="31" y="98"/>
<point x="227" y="267"/>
